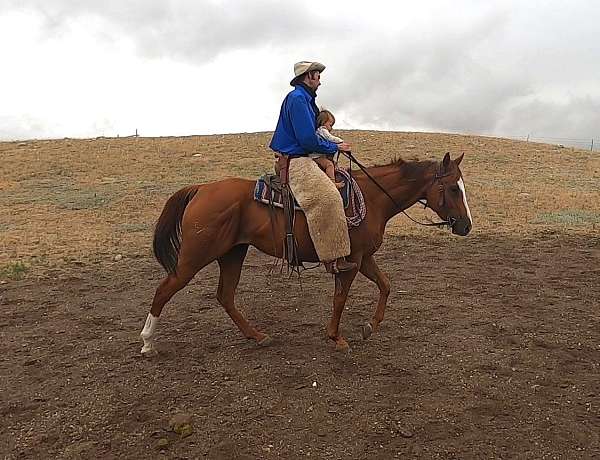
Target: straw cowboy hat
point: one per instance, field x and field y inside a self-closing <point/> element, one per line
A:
<point x="302" y="67"/>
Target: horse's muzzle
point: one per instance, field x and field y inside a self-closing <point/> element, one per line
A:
<point x="462" y="226"/>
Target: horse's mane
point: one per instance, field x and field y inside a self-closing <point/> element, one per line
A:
<point x="401" y="162"/>
<point x="409" y="168"/>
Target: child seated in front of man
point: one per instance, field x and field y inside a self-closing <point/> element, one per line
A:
<point x="325" y="122"/>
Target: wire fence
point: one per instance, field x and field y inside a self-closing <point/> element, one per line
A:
<point x="591" y="144"/>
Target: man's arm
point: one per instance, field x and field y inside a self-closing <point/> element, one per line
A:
<point x="302" y="116"/>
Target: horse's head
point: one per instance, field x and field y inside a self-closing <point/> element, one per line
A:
<point x="447" y="196"/>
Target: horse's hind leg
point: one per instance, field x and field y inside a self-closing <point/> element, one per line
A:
<point x="231" y="268"/>
<point x="370" y="269"/>
<point x="168" y="287"/>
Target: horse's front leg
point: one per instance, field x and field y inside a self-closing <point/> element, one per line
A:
<point x="370" y="269"/>
<point x="343" y="281"/>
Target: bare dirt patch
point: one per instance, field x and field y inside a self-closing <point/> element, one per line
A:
<point x="490" y="347"/>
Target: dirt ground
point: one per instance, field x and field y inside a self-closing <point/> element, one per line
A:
<point x="490" y="347"/>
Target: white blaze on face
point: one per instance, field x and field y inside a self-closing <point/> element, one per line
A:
<point x="461" y="186"/>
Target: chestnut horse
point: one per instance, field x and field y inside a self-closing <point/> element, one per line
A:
<point x="218" y="221"/>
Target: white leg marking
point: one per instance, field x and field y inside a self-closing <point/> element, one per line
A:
<point x="461" y="186"/>
<point x="148" y="333"/>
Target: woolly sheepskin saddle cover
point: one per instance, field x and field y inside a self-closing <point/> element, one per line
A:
<point x="323" y="207"/>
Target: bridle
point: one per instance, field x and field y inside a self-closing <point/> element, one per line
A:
<point x="437" y="178"/>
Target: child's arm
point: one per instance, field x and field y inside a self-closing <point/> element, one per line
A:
<point x="322" y="131"/>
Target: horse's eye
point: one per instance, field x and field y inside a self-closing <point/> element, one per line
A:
<point x="455" y="189"/>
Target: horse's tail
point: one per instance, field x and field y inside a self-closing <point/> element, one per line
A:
<point x="167" y="233"/>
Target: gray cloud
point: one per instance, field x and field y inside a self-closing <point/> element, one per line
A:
<point x="478" y="67"/>
<point x="193" y="31"/>
<point x="15" y="128"/>
<point x="577" y="118"/>
<point x="439" y="82"/>
<point x="492" y="76"/>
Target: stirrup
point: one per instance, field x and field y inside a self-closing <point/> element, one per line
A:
<point x="330" y="267"/>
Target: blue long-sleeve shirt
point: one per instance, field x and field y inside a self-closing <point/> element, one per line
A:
<point x="295" y="133"/>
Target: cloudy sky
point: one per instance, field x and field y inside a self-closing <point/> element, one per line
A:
<point x="77" y="68"/>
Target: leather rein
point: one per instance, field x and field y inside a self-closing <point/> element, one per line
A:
<point x="450" y="222"/>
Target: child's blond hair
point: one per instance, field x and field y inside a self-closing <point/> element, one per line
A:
<point x="323" y="117"/>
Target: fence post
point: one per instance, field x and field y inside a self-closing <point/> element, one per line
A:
<point x="592" y="146"/>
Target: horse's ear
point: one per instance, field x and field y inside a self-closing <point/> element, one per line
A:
<point x="446" y="161"/>
<point x="459" y="159"/>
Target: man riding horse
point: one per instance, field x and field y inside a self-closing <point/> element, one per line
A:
<point x="219" y="221"/>
<point x="295" y="138"/>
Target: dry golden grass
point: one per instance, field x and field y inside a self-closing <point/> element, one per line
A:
<point x="84" y="201"/>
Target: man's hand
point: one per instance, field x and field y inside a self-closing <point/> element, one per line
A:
<point x="344" y="147"/>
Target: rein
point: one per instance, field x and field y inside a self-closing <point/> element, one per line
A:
<point x="444" y="223"/>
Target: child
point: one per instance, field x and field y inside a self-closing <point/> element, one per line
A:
<point x="325" y="122"/>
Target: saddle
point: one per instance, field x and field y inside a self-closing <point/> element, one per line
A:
<point x="269" y="190"/>
<point x="273" y="190"/>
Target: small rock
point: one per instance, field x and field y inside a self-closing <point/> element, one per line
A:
<point x="197" y="155"/>
<point x="162" y="443"/>
<point x="181" y="424"/>
<point x="404" y="432"/>
<point x="184" y="430"/>
<point x="118" y="257"/>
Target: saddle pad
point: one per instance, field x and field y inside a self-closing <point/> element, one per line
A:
<point x="270" y="184"/>
<point x="268" y="190"/>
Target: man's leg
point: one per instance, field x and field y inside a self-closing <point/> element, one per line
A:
<point x="324" y="211"/>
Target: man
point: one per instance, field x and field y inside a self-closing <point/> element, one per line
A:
<point x="295" y="136"/>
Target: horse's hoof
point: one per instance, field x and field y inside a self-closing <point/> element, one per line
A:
<point x="342" y="345"/>
<point x="265" y="342"/>
<point x="149" y="351"/>
<point x="367" y="330"/>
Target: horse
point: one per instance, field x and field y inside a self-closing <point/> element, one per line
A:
<point x="220" y="220"/>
